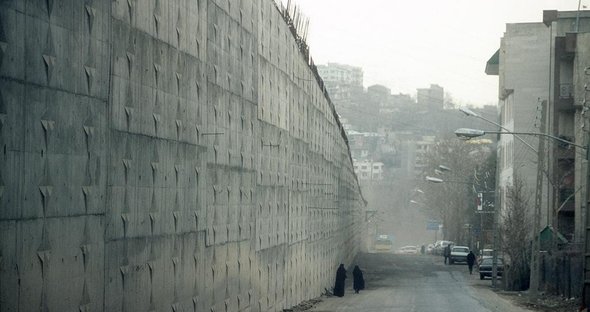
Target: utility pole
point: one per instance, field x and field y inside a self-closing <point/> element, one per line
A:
<point x="497" y="212"/>
<point x="536" y="246"/>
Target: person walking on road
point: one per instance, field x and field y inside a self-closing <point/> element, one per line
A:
<point x="358" y="280"/>
<point x="447" y="253"/>
<point x="470" y="261"/>
<point x="339" y="284"/>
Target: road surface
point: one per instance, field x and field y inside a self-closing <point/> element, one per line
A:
<point x="417" y="283"/>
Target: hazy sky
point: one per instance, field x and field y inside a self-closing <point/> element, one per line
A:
<point x="408" y="44"/>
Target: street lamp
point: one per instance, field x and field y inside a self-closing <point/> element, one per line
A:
<point x="467" y="133"/>
<point x="471" y="113"/>
<point x="444" y="168"/>
<point x="434" y="180"/>
<point x="438" y="180"/>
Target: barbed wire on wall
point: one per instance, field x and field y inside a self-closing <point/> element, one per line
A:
<point x="297" y="22"/>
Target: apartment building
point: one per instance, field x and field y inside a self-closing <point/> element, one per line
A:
<point x="544" y="74"/>
<point x="368" y="170"/>
<point x="341" y="74"/>
<point x="541" y="69"/>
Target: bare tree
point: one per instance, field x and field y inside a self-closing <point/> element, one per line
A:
<point x="453" y="202"/>
<point x="515" y="229"/>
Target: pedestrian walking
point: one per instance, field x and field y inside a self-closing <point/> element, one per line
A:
<point x="422" y="249"/>
<point x="358" y="280"/>
<point x="447" y="253"/>
<point x="339" y="284"/>
<point x="470" y="261"/>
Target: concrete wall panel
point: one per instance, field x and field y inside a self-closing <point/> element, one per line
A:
<point x="163" y="155"/>
<point x="12" y="61"/>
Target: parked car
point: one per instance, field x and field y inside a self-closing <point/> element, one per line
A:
<point x="430" y="248"/>
<point x="459" y="254"/>
<point x="485" y="267"/>
<point x="408" y="250"/>
<point x="484" y="254"/>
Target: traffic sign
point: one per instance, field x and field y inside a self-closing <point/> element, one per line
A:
<point x="432" y="225"/>
<point x="479" y="201"/>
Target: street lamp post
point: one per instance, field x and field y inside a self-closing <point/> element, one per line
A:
<point x="438" y="180"/>
<point x="471" y="113"/>
<point x="466" y="133"/>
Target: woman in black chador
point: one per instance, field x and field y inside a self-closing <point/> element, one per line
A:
<point x="339" y="285"/>
<point x="358" y="280"/>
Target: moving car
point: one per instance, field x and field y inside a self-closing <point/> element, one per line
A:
<point x="485" y="267"/>
<point x="408" y="250"/>
<point x="459" y="254"/>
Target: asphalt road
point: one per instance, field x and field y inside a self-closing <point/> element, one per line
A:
<point x="416" y="283"/>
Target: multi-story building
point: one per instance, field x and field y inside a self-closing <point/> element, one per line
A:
<point x="543" y="77"/>
<point x="341" y="74"/>
<point x="364" y="145"/>
<point x="432" y="97"/>
<point x="541" y="68"/>
<point x="344" y="84"/>
<point x="422" y="147"/>
<point x="368" y="170"/>
<point x="521" y="64"/>
<point x="570" y="51"/>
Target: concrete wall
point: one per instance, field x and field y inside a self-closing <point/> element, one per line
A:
<point x="524" y="79"/>
<point x="166" y="156"/>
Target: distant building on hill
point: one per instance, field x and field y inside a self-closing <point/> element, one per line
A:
<point x="433" y="97"/>
<point x="341" y="74"/>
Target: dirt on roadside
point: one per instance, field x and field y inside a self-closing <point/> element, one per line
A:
<point x="544" y="304"/>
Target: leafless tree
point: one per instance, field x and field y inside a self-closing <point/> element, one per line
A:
<point x="515" y="229"/>
<point x="453" y="202"/>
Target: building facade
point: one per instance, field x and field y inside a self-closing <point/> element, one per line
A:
<point x="369" y="170"/>
<point x="542" y="69"/>
<point x="341" y="74"/>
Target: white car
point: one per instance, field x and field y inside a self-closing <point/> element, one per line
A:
<point x="408" y="250"/>
<point x="430" y="248"/>
<point x="439" y="246"/>
<point x="459" y="254"/>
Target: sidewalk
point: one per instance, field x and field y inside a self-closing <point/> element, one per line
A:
<point x="544" y="304"/>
